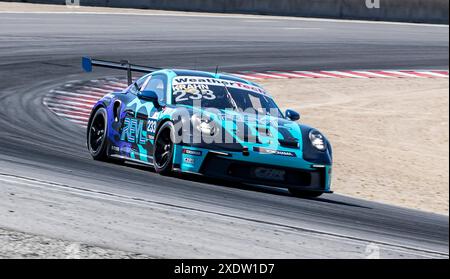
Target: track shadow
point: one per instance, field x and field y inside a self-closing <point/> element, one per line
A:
<point x="242" y="186"/>
<point x="321" y="199"/>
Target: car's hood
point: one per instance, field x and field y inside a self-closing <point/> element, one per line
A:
<point x="258" y="129"/>
<point x="273" y="134"/>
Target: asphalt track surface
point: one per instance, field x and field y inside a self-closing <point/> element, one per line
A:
<point x="38" y="150"/>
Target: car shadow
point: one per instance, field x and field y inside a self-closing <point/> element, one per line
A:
<point x="279" y="191"/>
<point x="262" y="189"/>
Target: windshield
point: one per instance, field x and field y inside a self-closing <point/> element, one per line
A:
<point x="222" y="94"/>
<point x="204" y="96"/>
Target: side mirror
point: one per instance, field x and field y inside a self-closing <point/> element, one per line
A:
<point x="292" y="115"/>
<point x="150" y="96"/>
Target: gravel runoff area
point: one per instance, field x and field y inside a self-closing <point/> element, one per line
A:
<point x="17" y="245"/>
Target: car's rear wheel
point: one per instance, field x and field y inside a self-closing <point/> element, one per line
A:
<point x="304" y="194"/>
<point x="163" y="149"/>
<point x="97" y="132"/>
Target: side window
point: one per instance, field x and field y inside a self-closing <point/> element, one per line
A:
<point x="157" y="83"/>
<point x="136" y="86"/>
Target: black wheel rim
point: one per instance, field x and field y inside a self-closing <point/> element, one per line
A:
<point x="163" y="149"/>
<point x="97" y="133"/>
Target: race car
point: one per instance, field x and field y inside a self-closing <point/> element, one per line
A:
<point x="211" y="124"/>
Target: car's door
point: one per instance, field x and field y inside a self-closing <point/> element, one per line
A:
<point x="122" y="133"/>
<point x="145" y="117"/>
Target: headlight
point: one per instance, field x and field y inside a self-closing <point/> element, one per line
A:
<point x="317" y="140"/>
<point x="205" y="126"/>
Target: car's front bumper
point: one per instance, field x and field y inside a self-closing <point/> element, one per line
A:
<point x="255" y="168"/>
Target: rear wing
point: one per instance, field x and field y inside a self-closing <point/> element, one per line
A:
<point x="87" y="64"/>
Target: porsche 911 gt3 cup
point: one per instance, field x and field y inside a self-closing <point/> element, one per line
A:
<point x="210" y="124"/>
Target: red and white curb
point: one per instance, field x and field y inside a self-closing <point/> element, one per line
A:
<point x="342" y="74"/>
<point x="74" y="100"/>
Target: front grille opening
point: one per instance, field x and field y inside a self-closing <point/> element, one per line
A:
<point x="293" y="177"/>
<point x="245" y="172"/>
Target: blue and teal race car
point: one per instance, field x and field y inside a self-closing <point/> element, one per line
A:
<point x="210" y="124"/>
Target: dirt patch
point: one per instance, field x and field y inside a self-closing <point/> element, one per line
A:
<point x="390" y="136"/>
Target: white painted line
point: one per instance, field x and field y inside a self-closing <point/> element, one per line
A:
<point x="119" y="84"/>
<point x="76" y="117"/>
<point x="76" y="104"/>
<point x="68" y="107"/>
<point x="65" y="110"/>
<point x="261" y="75"/>
<point x="287" y="74"/>
<point x="73" y="94"/>
<point x="403" y="74"/>
<point x="271" y="75"/>
<point x="373" y="74"/>
<point x="314" y="74"/>
<point x="301" y="28"/>
<point x="246" y="76"/>
<point x="74" y="99"/>
<point x="115" y="88"/>
<point x="343" y="74"/>
<point x="291" y="74"/>
<point x="260" y="21"/>
<point x="92" y="93"/>
<point x="97" y="88"/>
<point x="433" y="74"/>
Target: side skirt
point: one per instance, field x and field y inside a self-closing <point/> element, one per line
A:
<point x="131" y="160"/>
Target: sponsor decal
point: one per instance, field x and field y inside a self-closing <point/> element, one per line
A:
<point x="190" y="87"/>
<point x="270" y="174"/>
<point x="115" y="148"/>
<point x="133" y="131"/>
<point x="184" y="92"/>
<point x="274" y="152"/>
<point x="151" y="126"/>
<point x="189" y="160"/>
<point x="198" y="82"/>
<point x="192" y="152"/>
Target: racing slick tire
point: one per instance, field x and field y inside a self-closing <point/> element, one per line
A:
<point x="304" y="194"/>
<point x="97" y="133"/>
<point x="163" y="149"/>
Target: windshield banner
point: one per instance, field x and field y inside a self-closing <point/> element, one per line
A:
<point x="182" y="82"/>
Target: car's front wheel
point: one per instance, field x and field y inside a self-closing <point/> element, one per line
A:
<point x="304" y="194"/>
<point x="97" y="132"/>
<point x="163" y="149"/>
